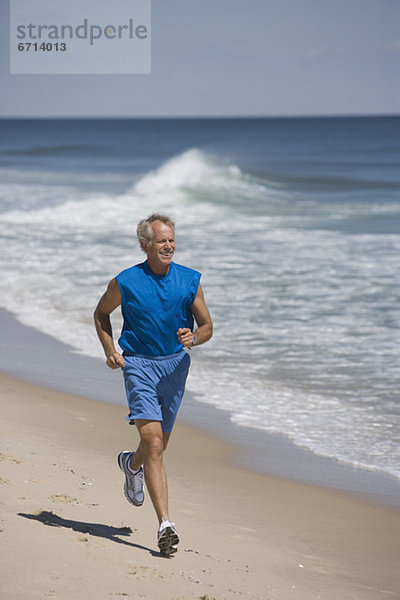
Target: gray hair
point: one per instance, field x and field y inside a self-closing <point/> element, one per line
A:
<point x="144" y="230"/>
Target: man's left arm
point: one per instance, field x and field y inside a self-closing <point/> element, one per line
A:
<point x="202" y="317"/>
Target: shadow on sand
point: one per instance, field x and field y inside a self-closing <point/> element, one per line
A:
<point x="107" y="532"/>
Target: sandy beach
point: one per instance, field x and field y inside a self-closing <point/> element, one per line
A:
<point x="68" y="531"/>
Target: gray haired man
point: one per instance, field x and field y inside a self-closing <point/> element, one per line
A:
<point x="160" y="302"/>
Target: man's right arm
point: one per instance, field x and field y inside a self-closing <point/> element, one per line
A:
<point x="108" y="302"/>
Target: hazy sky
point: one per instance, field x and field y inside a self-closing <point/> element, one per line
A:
<point x="225" y="57"/>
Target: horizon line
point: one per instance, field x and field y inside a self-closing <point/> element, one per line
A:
<point x="201" y="117"/>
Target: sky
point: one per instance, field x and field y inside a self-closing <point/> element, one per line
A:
<point x="233" y="58"/>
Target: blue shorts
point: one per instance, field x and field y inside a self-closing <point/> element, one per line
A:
<point x="154" y="386"/>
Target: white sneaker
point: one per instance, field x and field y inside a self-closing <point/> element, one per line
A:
<point x="167" y="538"/>
<point x="133" y="486"/>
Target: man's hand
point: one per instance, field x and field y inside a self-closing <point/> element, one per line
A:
<point x="115" y="360"/>
<point x="185" y="336"/>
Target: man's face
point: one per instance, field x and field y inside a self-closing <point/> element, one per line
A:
<point x="162" y="247"/>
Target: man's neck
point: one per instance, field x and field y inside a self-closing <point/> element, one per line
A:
<point x="159" y="270"/>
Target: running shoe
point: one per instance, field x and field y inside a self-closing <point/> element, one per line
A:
<point x="167" y="538"/>
<point x="133" y="486"/>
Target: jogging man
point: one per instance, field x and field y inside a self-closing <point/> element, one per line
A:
<point x="160" y="301"/>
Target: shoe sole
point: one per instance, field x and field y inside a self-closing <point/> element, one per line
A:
<point x="121" y="466"/>
<point x="168" y="542"/>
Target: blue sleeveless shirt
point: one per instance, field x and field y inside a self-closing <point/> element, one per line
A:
<point x="154" y="307"/>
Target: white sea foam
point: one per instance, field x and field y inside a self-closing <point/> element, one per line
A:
<point x="192" y="168"/>
<point x="304" y="317"/>
<point x="351" y="432"/>
<point x="188" y="169"/>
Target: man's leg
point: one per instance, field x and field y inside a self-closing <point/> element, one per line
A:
<point x="150" y="453"/>
<point x="137" y="458"/>
<point x="153" y="442"/>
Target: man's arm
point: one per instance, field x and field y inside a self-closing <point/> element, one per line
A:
<point x="108" y="302"/>
<point x="204" y="329"/>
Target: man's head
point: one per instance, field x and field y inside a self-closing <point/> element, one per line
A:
<point x="156" y="236"/>
<point x="145" y="231"/>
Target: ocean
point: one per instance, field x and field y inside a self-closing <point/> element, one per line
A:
<point x="294" y="224"/>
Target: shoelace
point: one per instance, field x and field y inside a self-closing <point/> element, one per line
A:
<point x="137" y="480"/>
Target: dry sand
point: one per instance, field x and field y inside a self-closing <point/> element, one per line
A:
<point x="68" y="532"/>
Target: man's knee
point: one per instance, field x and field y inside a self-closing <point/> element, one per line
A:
<point x="152" y="439"/>
<point x="152" y="443"/>
<point x="153" y="447"/>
